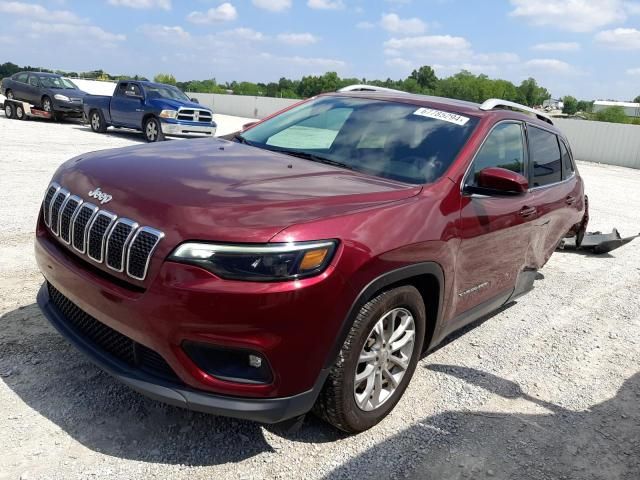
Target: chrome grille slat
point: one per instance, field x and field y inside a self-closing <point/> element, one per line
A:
<point x="140" y="249"/>
<point x="46" y="203"/>
<point x="97" y="233"/>
<point x="67" y="212"/>
<point x="119" y="243"/>
<point x="81" y="221"/>
<point x="56" y="205"/>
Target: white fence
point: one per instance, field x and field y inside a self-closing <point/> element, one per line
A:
<point x="242" y="105"/>
<point x="602" y="142"/>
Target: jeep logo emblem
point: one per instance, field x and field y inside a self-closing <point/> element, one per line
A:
<point x="101" y="196"/>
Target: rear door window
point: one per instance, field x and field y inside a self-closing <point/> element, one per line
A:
<point x="21" y="77"/>
<point x="567" y="163"/>
<point x="545" y="157"/>
<point x="503" y="148"/>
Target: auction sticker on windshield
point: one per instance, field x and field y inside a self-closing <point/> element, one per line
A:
<point x="440" y="115"/>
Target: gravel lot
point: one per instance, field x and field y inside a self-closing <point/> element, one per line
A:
<point x="548" y="388"/>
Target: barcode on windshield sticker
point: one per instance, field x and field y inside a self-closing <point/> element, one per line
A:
<point x="440" y="115"/>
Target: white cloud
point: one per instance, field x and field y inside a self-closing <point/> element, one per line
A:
<point x="297" y="38"/>
<point x="557" y="47"/>
<point x="431" y="46"/>
<point x="407" y="26"/>
<point x="572" y="15"/>
<point x="620" y="38"/>
<point x="498" y="57"/>
<point x="633" y="71"/>
<point x="273" y="5"/>
<point x="38" y="12"/>
<point x="142" y="4"/>
<point x="244" y="34"/>
<point x="365" y="25"/>
<point x="222" y="13"/>
<point x="550" y="65"/>
<point x="399" y="62"/>
<point x="80" y="32"/>
<point x="311" y="62"/>
<point x="165" y="33"/>
<point x="325" y="4"/>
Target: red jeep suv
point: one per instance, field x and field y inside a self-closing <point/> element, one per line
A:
<point x="309" y="261"/>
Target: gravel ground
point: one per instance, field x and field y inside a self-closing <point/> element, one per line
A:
<point x="548" y="388"/>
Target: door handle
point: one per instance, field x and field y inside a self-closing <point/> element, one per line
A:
<point x="570" y="199"/>
<point x="527" y="211"/>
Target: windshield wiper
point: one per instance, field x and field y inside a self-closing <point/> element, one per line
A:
<point x="313" y="158"/>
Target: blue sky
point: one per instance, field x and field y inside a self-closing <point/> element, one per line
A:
<point x="587" y="48"/>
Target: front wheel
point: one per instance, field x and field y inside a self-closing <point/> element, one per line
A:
<point x="47" y="105"/>
<point x="9" y="110"/>
<point x="152" y="130"/>
<point x="376" y="362"/>
<point x="20" y="113"/>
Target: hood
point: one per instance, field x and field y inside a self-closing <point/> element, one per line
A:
<point x="168" y="104"/>
<point x="212" y="189"/>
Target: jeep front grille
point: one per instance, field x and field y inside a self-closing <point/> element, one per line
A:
<point x="194" y="115"/>
<point x="118" y="242"/>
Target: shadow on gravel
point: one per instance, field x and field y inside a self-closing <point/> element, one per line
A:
<point x="600" y="443"/>
<point x="59" y="383"/>
<point x="132" y="135"/>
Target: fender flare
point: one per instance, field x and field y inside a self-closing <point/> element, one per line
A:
<point x="379" y="283"/>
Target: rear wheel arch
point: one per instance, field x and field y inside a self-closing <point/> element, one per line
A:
<point x="426" y="277"/>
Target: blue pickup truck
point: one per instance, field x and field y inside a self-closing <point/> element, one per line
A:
<point x="153" y="108"/>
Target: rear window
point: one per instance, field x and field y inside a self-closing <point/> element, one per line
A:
<point x="392" y="140"/>
<point x="21" y="77"/>
<point x="545" y="154"/>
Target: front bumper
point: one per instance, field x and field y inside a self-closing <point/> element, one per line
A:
<point x="68" y="107"/>
<point x="269" y="410"/>
<point x="186" y="129"/>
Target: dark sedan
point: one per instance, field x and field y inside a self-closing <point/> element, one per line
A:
<point x="48" y="91"/>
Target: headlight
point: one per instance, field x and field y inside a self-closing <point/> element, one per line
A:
<point x="168" y="114"/>
<point x="266" y="262"/>
<point x="64" y="98"/>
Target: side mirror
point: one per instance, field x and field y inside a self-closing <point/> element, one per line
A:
<point x="495" y="180"/>
<point x="194" y="100"/>
<point x="247" y="126"/>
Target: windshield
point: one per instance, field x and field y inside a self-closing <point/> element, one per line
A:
<point x="55" y="82"/>
<point x="165" y="91"/>
<point x="398" y="141"/>
<point x="68" y="84"/>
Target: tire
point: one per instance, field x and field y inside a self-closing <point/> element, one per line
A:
<point x="96" y="120"/>
<point x="152" y="130"/>
<point x="19" y="112"/>
<point x="9" y="110"/>
<point x="47" y="104"/>
<point x="9" y="94"/>
<point x="337" y="402"/>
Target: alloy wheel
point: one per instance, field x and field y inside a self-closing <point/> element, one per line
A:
<point x="95" y="122"/>
<point x="46" y="105"/>
<point x="152" y="131"/>
<point x="384" y="359"/>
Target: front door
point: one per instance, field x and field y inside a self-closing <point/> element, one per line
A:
<point x="495" y="230"/>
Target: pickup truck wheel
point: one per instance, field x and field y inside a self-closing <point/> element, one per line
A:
<point x="98" y="124"/>
<point x="9" y="94"/>
<point x="376" y="362"/>
<point x="152" y="130"/>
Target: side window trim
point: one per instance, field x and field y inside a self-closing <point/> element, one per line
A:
<point x="522" y="125"/>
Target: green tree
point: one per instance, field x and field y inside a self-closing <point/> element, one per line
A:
<point x="426" y="78"/>
<point x="570" y="105"/>
<point x="585" y="106"/>
<point x="531" y="93"/>
<point x="165" y="78"/>
<point x="612" y="114"/>
<point x="637" y="99"/>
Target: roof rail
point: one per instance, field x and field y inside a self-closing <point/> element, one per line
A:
<point x="368" y="88"/>
<point x="495" y="103"/>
